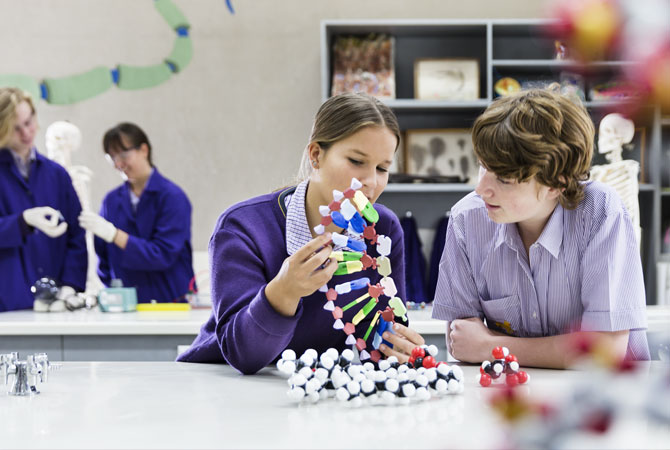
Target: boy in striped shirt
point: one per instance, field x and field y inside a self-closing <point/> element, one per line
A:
<point x="537" y="255"/>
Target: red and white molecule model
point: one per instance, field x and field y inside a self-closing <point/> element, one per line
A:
<point x="503" y="362"/>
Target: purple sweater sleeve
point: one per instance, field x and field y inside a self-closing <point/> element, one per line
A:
<point x="249" y="332"/>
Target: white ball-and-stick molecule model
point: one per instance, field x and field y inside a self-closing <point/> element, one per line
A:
<point x="332" y="374"/>
<point x="349" y="210"/>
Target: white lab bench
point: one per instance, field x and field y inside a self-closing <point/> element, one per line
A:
<point x="97" y="405"/>
<point x="133" y="336"/>
<point x="155" y="336"/>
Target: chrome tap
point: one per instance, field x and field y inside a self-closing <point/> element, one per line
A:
<point x="26" y="373"/>
<point x="6" y="361"/>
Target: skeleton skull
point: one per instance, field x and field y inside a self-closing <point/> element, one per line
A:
<point x="615" y="131"/>
<point x="62" y="139"/>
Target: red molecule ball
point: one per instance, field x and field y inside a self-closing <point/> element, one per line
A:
<point x="511" y="380"/>
<point x="331" y="294"/>
<point x="411" y="360"/>
<point x="509" y="358"/>
<point x="418" y="352"/>
<point x="349" y="193"/>
<point x="429" y="362"/>
<point x="522" y="376"/>
<point x="485" y="379"/>
<point x="498" y="353"/>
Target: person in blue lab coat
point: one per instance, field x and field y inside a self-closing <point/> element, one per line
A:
<point x="143" y="232"/>
<point x="39" y="234"/>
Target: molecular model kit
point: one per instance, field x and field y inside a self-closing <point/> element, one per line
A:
<point x="350" y="210"/>
<point x="314" y="377"/>
<point x="503" y="362"/>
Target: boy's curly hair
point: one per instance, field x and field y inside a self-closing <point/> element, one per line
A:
<point x="537" y="133"/>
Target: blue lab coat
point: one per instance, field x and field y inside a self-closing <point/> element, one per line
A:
<point x="415" y="263"/>
<point x="24" y="258"/>
<point x="157" y="260"/>
<point x="436" y="256"/>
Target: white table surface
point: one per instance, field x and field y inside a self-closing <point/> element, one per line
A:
<point x="181" y="405"/>
<point x="95" y="322"/>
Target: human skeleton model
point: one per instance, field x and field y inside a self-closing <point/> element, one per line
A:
<point x="63" y="139"/>
<point x="615" y="131"/>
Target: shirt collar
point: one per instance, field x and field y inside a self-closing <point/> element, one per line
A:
<point x="297" y="229"/>
<point x="551" y="237"/>
<point x="507" y="233"/>
<point x="151" y="182"/>
<point x="17" y="159"/>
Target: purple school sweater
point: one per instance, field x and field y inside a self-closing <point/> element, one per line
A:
<point x="246" y="251"/>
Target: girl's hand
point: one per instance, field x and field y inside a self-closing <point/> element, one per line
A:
<point x="404" y="340"/>
<point x="301" y="274"/>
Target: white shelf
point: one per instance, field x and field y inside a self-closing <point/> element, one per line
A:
<point x="465" y="188"/>
<point x="607" y="103"/>
<point x="558" y="63"/>
<point x="428" y="187"/>
<point x="414" y="104"/>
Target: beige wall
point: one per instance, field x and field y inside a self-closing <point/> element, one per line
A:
<point x="233" y="124"/>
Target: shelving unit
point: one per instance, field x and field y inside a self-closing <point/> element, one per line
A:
<point x="516" y="48"/>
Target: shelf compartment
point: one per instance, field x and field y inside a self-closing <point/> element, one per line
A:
<point x="414" y="39"/>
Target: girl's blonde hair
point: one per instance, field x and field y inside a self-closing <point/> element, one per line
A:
<point x="343" y="115"/>
<point x="10" y="99"/>
<point x="537" y="133"/>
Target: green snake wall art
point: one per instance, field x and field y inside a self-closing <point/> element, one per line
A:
<point x="75" y="88"/>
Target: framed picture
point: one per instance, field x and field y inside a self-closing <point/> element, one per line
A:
<point x="364" y="64"/>
<point x="446" y="79"/>
<point x="635" y="150"/>
<point x="443" y="152"/>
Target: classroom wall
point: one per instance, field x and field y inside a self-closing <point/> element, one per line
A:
<point x="231" y="125"/>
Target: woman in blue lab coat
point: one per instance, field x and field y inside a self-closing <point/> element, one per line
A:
<point x="39" y="234"/>
<point x="143" y="232"/>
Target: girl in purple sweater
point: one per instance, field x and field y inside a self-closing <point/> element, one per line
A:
<point x="267" y="264"/>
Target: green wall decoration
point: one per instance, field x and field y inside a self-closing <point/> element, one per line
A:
<point x="75" y="88"/>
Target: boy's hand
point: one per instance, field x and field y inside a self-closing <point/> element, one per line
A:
<point x="404" y="340"/>
<point x="470" y="340"/>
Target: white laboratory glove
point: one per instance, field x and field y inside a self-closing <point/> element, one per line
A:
<point x="97" y="225"/>
<point x="45" y="219"/>
<point x="69" y="297"/>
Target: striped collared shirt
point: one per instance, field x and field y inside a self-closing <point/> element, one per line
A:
<point x="583" y="273"/>
<point x="297" y="230"/>
<point x="24" y="167"/>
